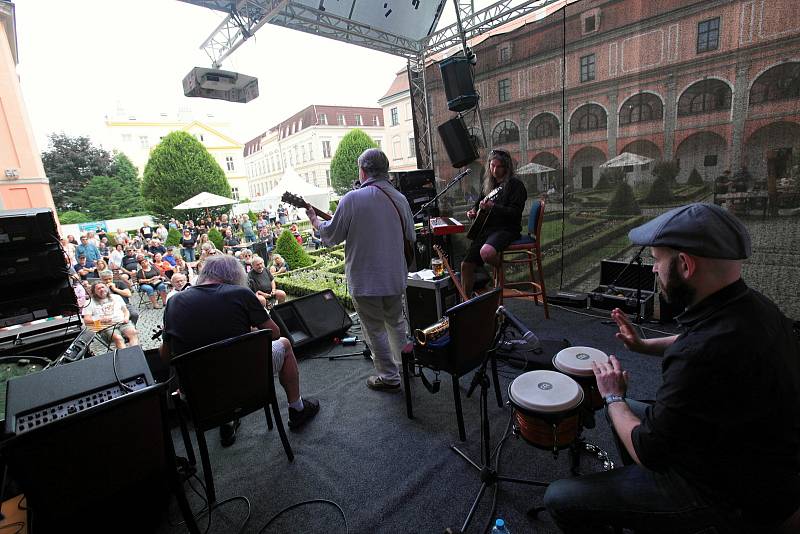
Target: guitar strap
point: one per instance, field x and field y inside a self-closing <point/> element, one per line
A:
<point x="408" y="248"/>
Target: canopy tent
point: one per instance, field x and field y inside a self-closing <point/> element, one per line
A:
<point x="293" y="183"/>
<point x="534" y="168"/>
<point x="626" y="159"/>
<point x="204" y="200"/>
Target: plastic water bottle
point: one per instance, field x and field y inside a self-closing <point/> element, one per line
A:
<point x="500" y="527"/>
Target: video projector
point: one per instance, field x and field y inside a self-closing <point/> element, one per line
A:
<point x="220" y="84"/>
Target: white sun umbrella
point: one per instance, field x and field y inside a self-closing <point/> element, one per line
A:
<point x="204" y="200"/>
<point x="626" y="159"/>
<point x="534" y="168"/>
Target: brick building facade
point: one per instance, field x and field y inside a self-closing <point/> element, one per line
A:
<point x="713" y="84"/>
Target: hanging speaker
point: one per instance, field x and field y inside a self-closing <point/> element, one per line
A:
<point x="459" y="88"/>
<point x="457" y="142"/>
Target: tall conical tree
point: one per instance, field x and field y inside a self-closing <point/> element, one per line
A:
<point x="344" y="165"/>
<point x="178" y="169"/>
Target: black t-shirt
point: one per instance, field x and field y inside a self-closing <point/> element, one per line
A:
<point x="231" y="241"/>
<point x="260" y="281"/>
<point x="146" y="231"/>
<point x="149" y="274"/>
<point x="129" y="263"/>
<point x="727" y="414"/>
<point x="188" y="243"/>
<point x="507" y="211"/>
<point x="119" y="284"/>
<point x="157" y="249"/>
<point x="188" y="325"/>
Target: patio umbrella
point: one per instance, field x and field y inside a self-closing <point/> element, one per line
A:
<point x="204" y="200"/>
<point x="626" y="159"/>
<point x="534" y="168"/>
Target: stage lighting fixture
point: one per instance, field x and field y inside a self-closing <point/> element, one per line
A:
<point x="220" y="84"/>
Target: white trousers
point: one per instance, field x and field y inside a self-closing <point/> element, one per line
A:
<point x="384" y="328"/>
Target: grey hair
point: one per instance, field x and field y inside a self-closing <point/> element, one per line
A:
<point x="374" y="163"/>
<point x="257" y="258"/>
<point x="107" y="272"/>
<point x="222" y="269"/>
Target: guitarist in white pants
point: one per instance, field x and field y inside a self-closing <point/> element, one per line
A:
<point x="497" y="217"/>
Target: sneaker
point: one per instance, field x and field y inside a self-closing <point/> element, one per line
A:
<point x="227" y="433"/>
<point x="298" y="418"/>
<point x="377" y="383"/>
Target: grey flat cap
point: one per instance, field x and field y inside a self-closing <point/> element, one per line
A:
<point x="705" y="230"/>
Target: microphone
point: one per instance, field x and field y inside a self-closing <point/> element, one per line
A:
<point x="461" y="175"/>
<point x="527" y="335"/>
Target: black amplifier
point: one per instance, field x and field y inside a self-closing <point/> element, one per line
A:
<point x="27" y="227"/>
<point x="618" y="284"/>
<point x="413" y="180"/>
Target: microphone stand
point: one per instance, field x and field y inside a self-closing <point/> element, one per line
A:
<point x="637" y="258"/>
<point x="435" y="199"/>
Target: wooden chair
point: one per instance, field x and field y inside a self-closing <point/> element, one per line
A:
<point x="227" y="380"/>
<point x="110" y="464"/>
<point x="525" y="251"/>
<point x="472" y="327"/>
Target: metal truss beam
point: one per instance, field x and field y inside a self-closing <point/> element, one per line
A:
<point x="419" y="102"/>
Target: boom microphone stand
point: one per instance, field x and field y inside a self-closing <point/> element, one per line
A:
<point x="488" y="476"/>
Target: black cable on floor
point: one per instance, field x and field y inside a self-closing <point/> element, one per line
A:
<point x="302" y="503"/>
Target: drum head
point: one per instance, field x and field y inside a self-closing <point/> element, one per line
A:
<point x="577" y="361"/>
<point x="545" y="392"/>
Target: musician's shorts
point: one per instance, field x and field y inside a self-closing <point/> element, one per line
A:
<point x="499" y="239"/>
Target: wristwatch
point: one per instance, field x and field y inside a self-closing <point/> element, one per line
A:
<point x="610" y="399"/>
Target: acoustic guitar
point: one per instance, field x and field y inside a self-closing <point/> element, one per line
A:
<point x="483" y="214"/>
<point x="450" y="272"/>
<point x="299" y="202"/>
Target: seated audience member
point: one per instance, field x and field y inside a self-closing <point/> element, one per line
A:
<point x="151" y="281"/>
<point x="122" y="237"/>
<point x="221" y="286"/>
<point x="69" y="250"/>
<point x="164" y="267"/>
<point x="692" y="460"/>
<point x="85" y="268"/>
<point x="99" y="266"/>
<point x="146" y="232"/>
<point x="92" y="238"/>
<point x="156" y="247"/>
<point x="316" y="238"/>
<point x="296" y="234"/>
<point x="261" y="282"/>
<point x="87" y="249"/>
<point x="184" y="268"/>
<point x="122" y="289"/>
<point x="102" y="246"/>
<point x="229" y="241"/>
<point x="179" y="283"/>
<point x="130" y="263"/>
<point x="246" y="259"/>
<point x="108" y="316"/>
<point x="188" y="242"/>
<point x="115" y="258"/>
<point x="279" y="265"/>
<point x="170" y="255"/>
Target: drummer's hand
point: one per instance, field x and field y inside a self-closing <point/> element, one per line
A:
<point x="627" y="333"/>
<point x="471" y="214"/>
<point x="611" y="379"/>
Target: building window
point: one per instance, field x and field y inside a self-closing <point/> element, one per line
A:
<point x="378" y="143"/>
<point x="340" y="119"/>
<point x="235" y="193"/>
<point x="323" y="119"/>
<point x="504" y="53"/>
<point x="395" y="118"/>
<point x="642" y="107"/>
<point x="396" y="147"/>
<point x="706" y="96"/>
<point x="543" y="126"/>
<point x="587" y="68"/>
<point x="781" y="82"/>
<point x="303" y="152"/>
<point x="229" y="163"/>
<point x="310" y="152"/>
<point x="587" y="118"/>
<point x="505" y="132"/>
<point x="376" y="121"/>
<point x="328" y="177"/>
<point x="708" y="35"/>
<point x="504" y="90"/>
<point x="144" y="142"/>
<point x="412" y="148"/>
<point x="326" y="149"/>
<point x="359" y="121"/>
<point x="589" y="24"/>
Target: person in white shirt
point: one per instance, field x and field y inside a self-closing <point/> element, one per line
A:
<point x="107" y="315"/>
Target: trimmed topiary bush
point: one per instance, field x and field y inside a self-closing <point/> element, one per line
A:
<point x="660" y="191"/>
<point x="694" y="178"/>
<point x="292" y="252"/>
<point x="216" y="237"/>
<point x="610" y="177"/>
<point x="73" y="217"/>
<point x="173" y="238"/>
<point x="667" y="170"/>
<point x="624" y="201"/>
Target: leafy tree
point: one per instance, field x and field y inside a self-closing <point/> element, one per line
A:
<point x="610" y="177"/>
<point x="332" y="205"/>
<point x="667" y="170"/>
<point x="73" y="217"/>
<point x="252" y="216"/>
<point x="624" y="201"/>
<point x="660" y="191"/>
<point x="178" y="169"/>
<point x="216" y="237"/>
<point x="70" y="163"/>
<point x="694" y="178"/>
<point x="109" y="197"/>
<point x="122" y="167"/>
<point x="173" y="238"/>
<point x="344" y="165"/>
<point x="292" y="252"/>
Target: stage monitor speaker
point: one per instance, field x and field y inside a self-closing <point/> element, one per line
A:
<point x="459" y="88"/>
<point x="29" y="302"/>
<point x="311" y="318"/>
<point x="406" y="181"/>
<point x="457" y="143"/>
<point x="23" y="228"/>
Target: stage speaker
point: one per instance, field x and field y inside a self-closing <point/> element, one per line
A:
<point x="311" y="318"/>
<point x="459" y="89"/>
<point x="23" y="228"/>
<point x="406" y="181"/>
<point x="457" y="142"/>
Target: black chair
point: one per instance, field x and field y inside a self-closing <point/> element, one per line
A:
<point x="111" y="466"/>
<point x="472" y="328"/>
<point x="225" y="381"/>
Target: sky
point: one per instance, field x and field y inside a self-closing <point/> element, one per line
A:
<point x="79" y="61"/>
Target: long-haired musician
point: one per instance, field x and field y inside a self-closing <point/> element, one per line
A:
<point x="504" y="220"/>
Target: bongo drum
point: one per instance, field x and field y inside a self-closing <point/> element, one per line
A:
<point x="577" y="363"/>
<point x="546" y="408"/>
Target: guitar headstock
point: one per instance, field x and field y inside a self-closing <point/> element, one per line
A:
<point x="294" y="200"/>
<point x="438" y="250"/>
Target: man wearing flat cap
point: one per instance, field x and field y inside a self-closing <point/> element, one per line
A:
<point x="719" y="449"/>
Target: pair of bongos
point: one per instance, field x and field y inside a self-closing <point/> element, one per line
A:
<point x="547" y="404"/>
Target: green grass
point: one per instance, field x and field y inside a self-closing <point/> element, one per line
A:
<point x="551" y="230"/>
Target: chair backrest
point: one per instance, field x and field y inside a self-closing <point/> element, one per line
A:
<point x="104" y="465"/>
<point x="472" y="326"/>
<point x="535" y="218"/>
<point x="227" y="379"/>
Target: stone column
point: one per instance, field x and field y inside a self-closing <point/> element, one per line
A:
<point x="523" y="137"/>
<point x="613" y="123"/>
<point x="739" y="116"/>
<point x="670" y="118"/>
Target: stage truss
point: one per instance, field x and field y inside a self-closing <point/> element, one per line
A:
<point x="245" y="17"/>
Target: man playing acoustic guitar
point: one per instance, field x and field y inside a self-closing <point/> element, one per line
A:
<point x="498" y="217"/>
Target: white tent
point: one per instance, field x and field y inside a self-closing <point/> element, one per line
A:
<point x="293" y="183"/>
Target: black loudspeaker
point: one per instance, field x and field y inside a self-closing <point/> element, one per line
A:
<point x="311" y="318"/>
<point x="406" y="181"/>
<point x="457" y="142"/>
<point x="459" y="89"/>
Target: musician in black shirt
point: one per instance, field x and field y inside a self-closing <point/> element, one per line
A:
<point x="504" y="221"/>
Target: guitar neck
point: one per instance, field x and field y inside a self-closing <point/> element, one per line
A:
<point x="450" y="272"/>
<point x="321" y="214"/>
